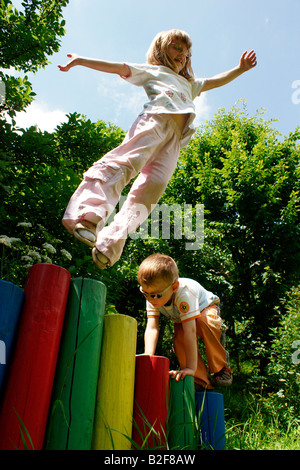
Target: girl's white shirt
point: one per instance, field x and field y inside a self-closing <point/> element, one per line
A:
<point x="168" y="93"/>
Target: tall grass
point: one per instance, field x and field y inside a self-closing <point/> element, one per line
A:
<point x="253" y="422"/>
<point x="259" y="432"/>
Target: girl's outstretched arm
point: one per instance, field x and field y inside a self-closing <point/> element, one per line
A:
<point x="247" y="62"/>
<point x="95" y="64"/>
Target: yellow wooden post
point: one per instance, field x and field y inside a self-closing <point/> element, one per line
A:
<point x="115" y="395"/>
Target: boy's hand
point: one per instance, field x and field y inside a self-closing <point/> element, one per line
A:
<point x="247" y="61"/>
<point x="180" y="374"/>
<point x="70" y="64"/>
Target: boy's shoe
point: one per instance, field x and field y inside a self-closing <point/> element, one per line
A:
<point x="99" y="259"/>
<point x="223" y="378"/>
<point x="86" y="233"/>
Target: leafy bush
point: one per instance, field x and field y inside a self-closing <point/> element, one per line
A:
<point x="284" y="367"/>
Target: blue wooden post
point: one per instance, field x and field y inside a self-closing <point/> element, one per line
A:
<point x="210" y="410"/>
<point x="11" y="301"/>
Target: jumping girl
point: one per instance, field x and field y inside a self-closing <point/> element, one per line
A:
<point x="150" y="148"/>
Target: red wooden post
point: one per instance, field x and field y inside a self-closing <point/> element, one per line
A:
<point x="31" y="373"/>
<point x="150" y="402"/>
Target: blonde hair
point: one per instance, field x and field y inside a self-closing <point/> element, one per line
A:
<point x="156" y="267"/>
<point x="157" y="52"/>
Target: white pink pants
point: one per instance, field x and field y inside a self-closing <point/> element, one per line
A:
<point x="149" y="150"/>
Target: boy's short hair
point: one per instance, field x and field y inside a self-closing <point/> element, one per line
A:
<point x="156" y="267"/>
<point x="157" y="52"/>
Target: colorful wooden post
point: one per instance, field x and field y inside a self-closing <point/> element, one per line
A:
<point x="150" y="402"/>
<point x="28" y="392"/>
<point x="11" y="302"/>
<point x="71" y="417"/>
<point x="210" y="411"/>
<point x="182" y="415"/>
<point x="114" y="405"/>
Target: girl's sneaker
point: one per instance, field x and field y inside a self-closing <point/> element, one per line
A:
<point x="99" y="259"/>
<point x="86" y="233"/>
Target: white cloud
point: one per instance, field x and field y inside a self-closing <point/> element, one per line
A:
<point x="203" y="110"/>
<point x="39" y="114"/>
<point x="123" y="97"/>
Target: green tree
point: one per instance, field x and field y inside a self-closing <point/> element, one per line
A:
<point x="45" y="170"/>
<point x="247" y="179"/>
<point x="27" y="39"/>
<point x="284" y="366"/>
<point x="249" y="184"/>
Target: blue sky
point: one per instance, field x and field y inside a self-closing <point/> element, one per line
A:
<point x="220" y="30"/>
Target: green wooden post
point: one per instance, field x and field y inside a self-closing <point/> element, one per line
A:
<point x="71" y="417"/>
<point x="182" y="414"/>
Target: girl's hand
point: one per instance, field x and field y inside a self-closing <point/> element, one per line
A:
<point x="180" y="374"/>
<point x="247" y="61"/>
<point x="70" y="64"/>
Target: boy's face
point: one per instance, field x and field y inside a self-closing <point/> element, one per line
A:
<point x="160" y="287"/>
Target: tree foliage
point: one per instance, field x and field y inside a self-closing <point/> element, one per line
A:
<point x="27" y="39"/>
<point x="248" y="181"/>
<point x="43" y="171"/>
<point x="284" y="365"/>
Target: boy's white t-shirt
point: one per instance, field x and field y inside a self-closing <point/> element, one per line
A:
<point x="168" y="92"/>
<point x="187" y="302"/>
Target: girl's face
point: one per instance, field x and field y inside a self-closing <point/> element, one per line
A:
<point x="179" y="53"/>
